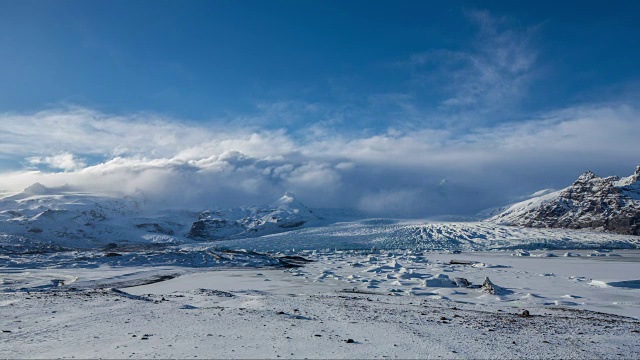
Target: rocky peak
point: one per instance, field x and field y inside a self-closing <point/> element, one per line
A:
<point x="631" y="182"/>
<point x="36" y="189"/>
<point x="587" y="176"/>
<point x="610" y="204"/>
<point x="636" y="175"/>
<point x="284" y="214"/>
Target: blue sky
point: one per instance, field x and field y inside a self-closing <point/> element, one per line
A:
<point x="340" y="92"/>
<point x="202" y="60"/>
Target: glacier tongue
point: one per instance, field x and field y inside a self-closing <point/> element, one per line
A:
<point x="42" y="219"/>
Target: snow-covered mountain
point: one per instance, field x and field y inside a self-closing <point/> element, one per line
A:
<point x="493" y="211"/>
<point x="610" y="204"/>
<point x="41" y="219"/>
<point x="284" y="214"/>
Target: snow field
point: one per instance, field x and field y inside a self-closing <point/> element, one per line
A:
<point x="403" y="304"/>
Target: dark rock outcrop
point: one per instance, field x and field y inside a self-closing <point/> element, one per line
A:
<point x="285" y="214"/>
<point x="591" y="202"/>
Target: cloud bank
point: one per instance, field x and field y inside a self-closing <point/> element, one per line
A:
<point x="395" y="172"/>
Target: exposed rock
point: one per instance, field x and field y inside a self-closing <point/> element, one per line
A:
<point x="43" y="219"/>
<point x="489" y="287"/>
<point x="110" y="246"/>
<point x="591" y="202"/>
<point x="155" y="228"/>
<point x="462" y="262"/>
<point x="286" y="213"/>
<point x="461" y="282"/>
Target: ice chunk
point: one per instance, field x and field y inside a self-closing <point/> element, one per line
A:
<point x="439" y="280"/>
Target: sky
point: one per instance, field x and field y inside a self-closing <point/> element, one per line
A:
<point x="406" y="108"/>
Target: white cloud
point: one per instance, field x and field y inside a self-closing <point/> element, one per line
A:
<point x="66" y="161"/>
<point x="492" y="74"/>
<point x="394" y="201"/>
<point x="180" y="164"/>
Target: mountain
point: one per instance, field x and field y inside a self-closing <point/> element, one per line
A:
<point x="591" y="202"/>
<point x="39" y="218"/>
<point x="43" y="219"/>
<point x="284" y="214"/>
<point x="493" y="211"/>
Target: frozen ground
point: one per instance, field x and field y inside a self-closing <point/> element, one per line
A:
<point x="392" y="304"/>
<point x="397" y="289"/>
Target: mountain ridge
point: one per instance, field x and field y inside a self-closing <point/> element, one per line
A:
<point x="590" y="202"/>
<point x="42" y="217"/>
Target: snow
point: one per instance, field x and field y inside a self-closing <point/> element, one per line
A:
<point x="311" y="311"/>
<point x="605" y="204"/>
<point x="40" y="219"/>
<point x="426" y="235"/>
<point x="56" y="220"/>
<point x="91" y="276"/>
<point x="518" y="209"/>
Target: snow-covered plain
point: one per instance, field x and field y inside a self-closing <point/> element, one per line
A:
<point x="86" y="276"/>
<point x="396" y="303"/>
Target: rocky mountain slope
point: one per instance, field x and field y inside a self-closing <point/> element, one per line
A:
<point x="286" y="213"/>
<point x="591" y="202"/>
<point x="44" y="219"/>
<point x="41" y="219"/>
